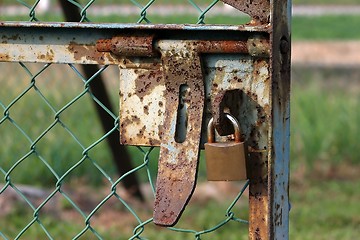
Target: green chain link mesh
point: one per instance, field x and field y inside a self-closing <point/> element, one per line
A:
<point x="50" y="137"/>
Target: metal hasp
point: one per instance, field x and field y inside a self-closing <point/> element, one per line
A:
<point x="171" y="96"/>
<point x="178" y="159"/>
<point x="180" y="89"/>
<point x="168" y="72"/>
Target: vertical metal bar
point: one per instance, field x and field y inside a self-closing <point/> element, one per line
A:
<point x="280" y="134"/>
<point x="269" y="170"/>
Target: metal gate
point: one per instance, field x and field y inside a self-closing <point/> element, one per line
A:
<point x="173" y="78"/>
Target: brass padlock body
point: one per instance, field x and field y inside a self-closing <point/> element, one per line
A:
<point x="226" y="161"/>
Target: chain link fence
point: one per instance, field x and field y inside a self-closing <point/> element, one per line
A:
<point x="58" y="179"/>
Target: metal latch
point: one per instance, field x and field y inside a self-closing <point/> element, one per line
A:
<point x="162" y="103"/>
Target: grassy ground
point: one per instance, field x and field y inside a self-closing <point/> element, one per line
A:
<point x="118" y="224"/>
<point x="324" y="210"/>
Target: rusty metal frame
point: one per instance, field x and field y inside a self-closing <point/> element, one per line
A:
<point x="279" y="158"/>
<point x="269" y="147"/>
<point x="77" y="42"/>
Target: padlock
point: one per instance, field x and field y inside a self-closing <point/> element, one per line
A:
<point x="225" y="161"/>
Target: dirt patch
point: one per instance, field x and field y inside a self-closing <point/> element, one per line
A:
<point x="320" y="53"/>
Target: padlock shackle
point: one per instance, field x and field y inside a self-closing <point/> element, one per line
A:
<point x="234" y="122"/>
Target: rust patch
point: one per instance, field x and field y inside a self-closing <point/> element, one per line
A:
<point x="147" y="81"/>
<point x="103" y="45"/>
<point x="123" y="127"/>
<point x="129" y="46"/>
<point x="88" y="52"/>
<point x="258" y="47"/>
<point x="41" y="56"/>
<point x="220" y="46"/>
<point x="141" y="132"/>
<point x="258" y="194"/>
<point x="78" y="50"/>
<point x="258" y="10"/>
<point x="146" y="110"/>
<point x="14" y="37"/>
<point x="4" y="57"/>
<point x="48" y="57"/>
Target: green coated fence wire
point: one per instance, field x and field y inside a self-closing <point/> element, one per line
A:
<point x="33" y="154"/>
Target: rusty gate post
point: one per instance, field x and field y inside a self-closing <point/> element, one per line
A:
<point x="269" y="186"/>
<point x="280" y="148"/>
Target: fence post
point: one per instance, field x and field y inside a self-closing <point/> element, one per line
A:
<point x="269" y="186"/>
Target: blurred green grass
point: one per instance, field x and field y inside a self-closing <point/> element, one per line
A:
<point x="324" y="118"/>
<point x="340" y="27"/>
<point x="325" y="210"/>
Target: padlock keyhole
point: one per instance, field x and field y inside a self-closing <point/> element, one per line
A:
<point x="182" y="114"/>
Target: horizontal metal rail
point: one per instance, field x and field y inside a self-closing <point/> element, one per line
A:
<point x="77" y="42"/>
